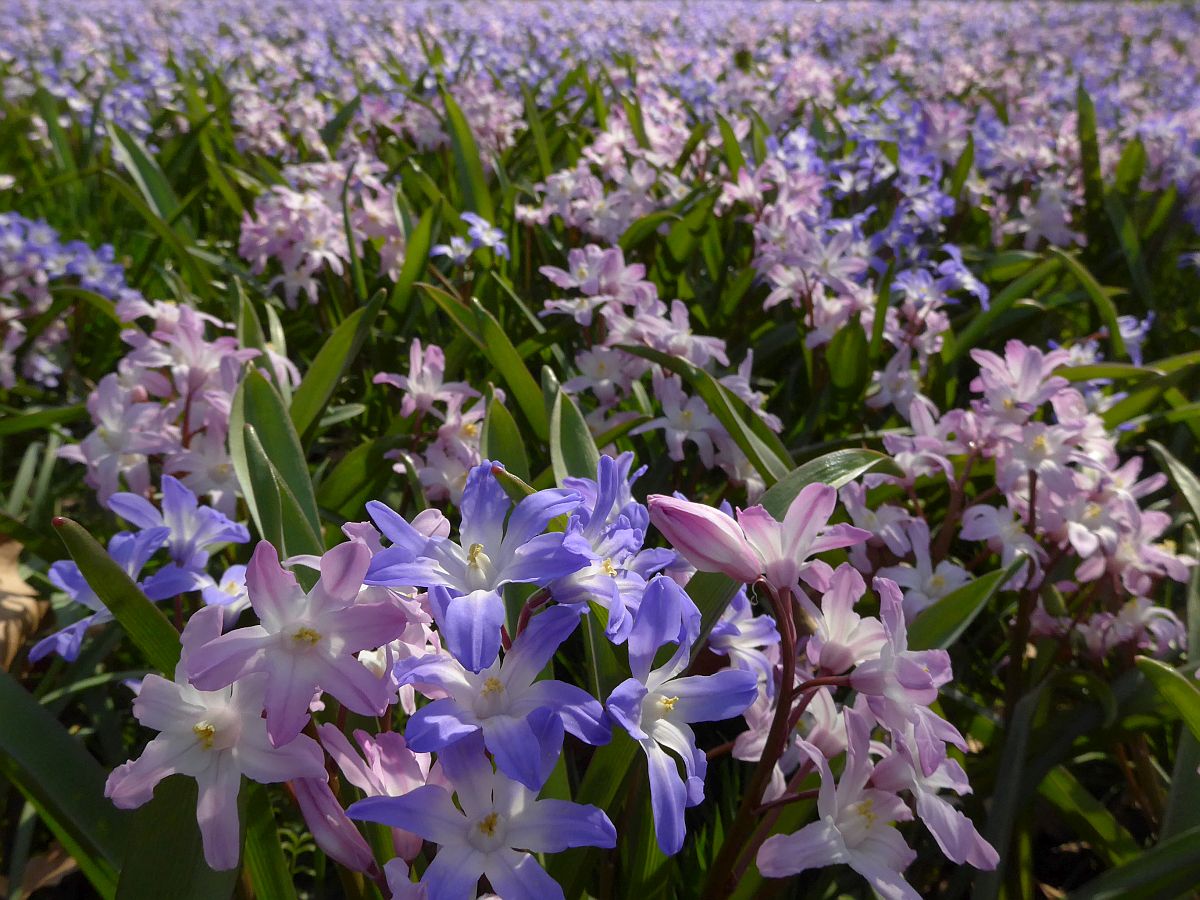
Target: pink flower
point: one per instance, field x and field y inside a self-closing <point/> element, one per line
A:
<point x="214" y="737"/>
<point x="305" y="640"/>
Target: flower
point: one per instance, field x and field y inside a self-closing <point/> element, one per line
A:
<point x="214" y="737"/>
<point x="480" y="836"/>
<point x="854" y="828"/>
<point x="505" y="702"/>
<point x="305" y="640"/>
<point x="656" y="707"/>
<point x="464" y="578"/>
<point x="757" y="544"/>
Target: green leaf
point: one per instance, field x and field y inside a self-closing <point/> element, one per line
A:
<point x="1111" y="371"/>
<point x="64" y="783"/>
<point x="501" y="441"/>
<point x="164" y="854"/>
<point x="939" y="625"/>
<point x="257" y="403"/>
<point x="849" y="368"/>
<point x="572" y="447"/>
<point x="416" y="260"/>
<point x="537" y="130"/>
<point x="511" y="367"/>
<point x="1177" y="689"/>
<point x="645" y="227"/>
<point x="360" y="475"/>
<point x="1131" y="246"/>
<point x="466" y="160"/>
<point x="148" y="177"/>
<point x="1171" y="868"/>
<point x="1183" y="802"/>
<point x="761" y="446"/>
<point x="977" y="329"/>
<point x="144" y="622"/>
<point x="357" y="276"/>
<point x="734" y="159"/>
<point x="1102" y="302"/>
<point x="962" y="168"/>
<point x="1088" y="816"/>
<point x="40" y="420"/>
<point x="1185" y="479"/>
<point x="1089" y="161"/>
<point x="335" y="128"/>
<point x="264" y="858"/>
<point x="332" y="361"/>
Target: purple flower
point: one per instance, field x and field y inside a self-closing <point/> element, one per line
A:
<point x="464" y="578"/>
<point x="854" y="828"/>
<point x="131" y="552"/>
<point x="194" y="529"/>
<point x="214" y="737"/>
<point x="305" y="640"/>
<point x="480" y="835"/>
<point x="504" y="702"/>
<point x="656" y="707"/>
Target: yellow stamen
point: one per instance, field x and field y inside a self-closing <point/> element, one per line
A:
<point x="205" y="733"/>
<point x="473" y="554"/>
<point x="492" y="685"/>
<point x="668" y="703"/>
<point x="487" y="825"/>
<point x="608" y="568"/>
<point x="307" y="635"/>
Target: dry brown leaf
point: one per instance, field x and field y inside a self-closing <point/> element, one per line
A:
<point x="20" y="609"/>
<point x="44" y="871"/>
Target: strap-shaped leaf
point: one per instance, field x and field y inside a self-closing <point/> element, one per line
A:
<point x="939" y="625"/>
<point x="144" y="622"/>
<point x="331" y="362"/>
<point x="501" y="439"/>
<point x="64" y="783"/>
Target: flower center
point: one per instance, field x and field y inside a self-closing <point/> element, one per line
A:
<point x="487" y="825"/>
<point x="307" y="635"/>
<point x="667" y="703"/>
<point x="492" y="685"/>
<point x="205" y="733"/>
<point x="608" y="568"/>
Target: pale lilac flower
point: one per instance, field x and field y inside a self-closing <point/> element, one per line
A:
<point x="841" y="639"/>
<point x="214" y="737"/>
<point x="924" y="582"/>
<point x="854" y="827"/>
<point x="305" y="641"/>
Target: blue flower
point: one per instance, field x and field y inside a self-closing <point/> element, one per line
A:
<point x="656" y="707"/>
<point x="464" y="578"/>
<point x="506" y="703"/>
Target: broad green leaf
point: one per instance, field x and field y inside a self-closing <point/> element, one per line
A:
<point x="1111" y="371"/>
<point x="144" y="622"/>
<point x="264" y="858"/>
<point x="1171" y="868"/>
<point x="359" y="476"/>
<point x="64" y="783"/>
<point x="572" y="447"/>
<point x="503" y="355"/>
<point x="849" y="367"/>
<point x="42" y="419"/>
<point x="1185" y="479"/>
<point x="1088" y="816"/>
<point x="333" y="130"/>
<point x="1131" y="246"/>
<point x="734" y="159"/>
<point x="332" y="361"/>
<point x="1183" y="801"/>
<point x="1177" y="689"/>
<point x="416" y="260"/>
<point x="962" y="168"/>
<point x="645" y="227"/>
<point x="467" y="162"/>
<point x="939" y="625"/>
<point x="164" y="855"/>
<point x="501" y="440"/>
<point x="147" y="175"/>
<point x="260" y="405"/>
<point x="537" y="130"/>
<point x="1089" y="162"/>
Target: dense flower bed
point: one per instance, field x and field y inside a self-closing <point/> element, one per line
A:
<point x="686" y="450"/>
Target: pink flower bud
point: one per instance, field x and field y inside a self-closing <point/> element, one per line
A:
<point x="710" y="540"/>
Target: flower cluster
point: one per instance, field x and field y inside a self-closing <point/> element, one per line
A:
<point x="169" y="403"/>
<point x="302" y="228"/>
<point x="33" y="262"/>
